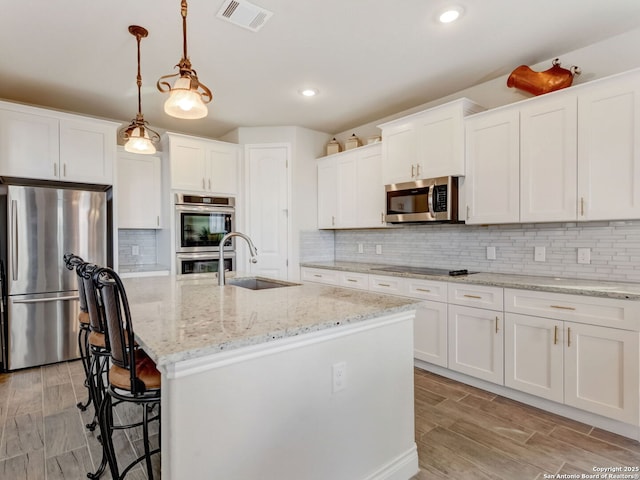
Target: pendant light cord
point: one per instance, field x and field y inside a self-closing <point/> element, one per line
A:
<point x="183" y="12"/>
<point x="139" y="78"/>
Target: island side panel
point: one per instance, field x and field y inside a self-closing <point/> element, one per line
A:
<point x="271" y="413"/>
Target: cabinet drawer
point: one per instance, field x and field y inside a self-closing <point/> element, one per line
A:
<point x="353" y="280"/>
<point x="383" y="284"/>
<point x="426" y="289"/>
<point x="476" y="296"/>
<point x="320" y="275"/>
<point x="607" y="312"/>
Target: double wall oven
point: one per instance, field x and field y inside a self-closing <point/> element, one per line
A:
<point x="201" y="222"/>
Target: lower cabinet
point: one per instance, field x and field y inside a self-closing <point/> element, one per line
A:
<point x="476" y="342"/>
<point x="562" y="356"/>
<point x="430" y="333"/>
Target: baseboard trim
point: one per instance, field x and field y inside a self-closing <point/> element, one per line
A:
<point x="403" y="467"/>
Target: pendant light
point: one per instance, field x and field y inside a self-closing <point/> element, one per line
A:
<point x="137" y="136"/>
<point x="188" y="97"/>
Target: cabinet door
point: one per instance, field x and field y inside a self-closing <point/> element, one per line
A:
<point x="222" y="168"/>
<point x="347" y="179"/>
<point x="371" y="194"/>
<point x="475" y="338"/>
<point x="493" y="167"/>
<point x="609" y="149"/>
<point x="327" y="193"/>
<point x="188" y="165"/>
<point x="548" y="160"/>
<point x="533" y="356"/>
<point x="29" y="146"/>
<point x="139" y="190"/>
<point x="430" y="333"/>
<point x="440" y="143"/>
<point x="602" y="371"/>
<point x="398" y="153"/>
<point x="87" y="152"/>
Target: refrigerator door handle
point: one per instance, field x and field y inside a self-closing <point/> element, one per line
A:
<point x="14" y="236"/>
<point x="51" y="299"/>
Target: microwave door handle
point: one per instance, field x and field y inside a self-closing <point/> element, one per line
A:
<point x="430" y="201"/>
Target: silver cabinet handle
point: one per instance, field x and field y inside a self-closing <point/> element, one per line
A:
<point x="158" y="220"/>
<point x="317" y="275"/>
<point x="472" y="296"/>
<point x="381" y="217"/>
<point x="467" y="212"/>
<point x="203" y="187"/>
<point x="209" y="184"/>
<point x="412" y="171"/>
<point x="582" y="206"/>
<point x="64" y="169"/>
<point x="555" y="335"/>
<point x="417" y="170"/>
<point x="333" y="221"/>
<point x="384" y="285"/>
<point x="568" y="336"/>
<point x="497" y="320"/>
<point x="55" y="169"/>
<point x="423" y="290"/>
<point x="352" y="280"/>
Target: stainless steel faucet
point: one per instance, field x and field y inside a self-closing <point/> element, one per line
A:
<point x="252" y="250"/>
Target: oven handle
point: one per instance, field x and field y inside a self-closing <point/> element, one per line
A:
<point x="430" y="200"/>
<point x="205" y="255"/>
<point x="204" y="209"/>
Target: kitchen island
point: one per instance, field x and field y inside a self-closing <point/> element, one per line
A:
<point x="301" y="382"/>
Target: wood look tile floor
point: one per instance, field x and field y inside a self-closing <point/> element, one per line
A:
<point x="461" y="432"/>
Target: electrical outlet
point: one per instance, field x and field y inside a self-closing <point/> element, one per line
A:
<point x="378" y="249"/>
<point x="539" y="254"/>
<point x="491" y="253"/>
<point x="584" y="255"/>
<point x="339" y="371"/>
<point x="135" y="250"/>
<point x="360" y="248"/>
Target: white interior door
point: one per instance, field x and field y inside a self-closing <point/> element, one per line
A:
<point x="268" y="201"/>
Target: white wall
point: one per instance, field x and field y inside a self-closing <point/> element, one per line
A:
<point x="306" y="146"/>
<point x="614" y="55"/>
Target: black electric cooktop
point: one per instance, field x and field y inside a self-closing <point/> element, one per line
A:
<point x="425" y="271"/>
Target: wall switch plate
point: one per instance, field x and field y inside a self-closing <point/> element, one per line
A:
<point x="491" y="253"/>
<point x="584" y="255"/>
<point x="539" y="254"/>
<point x="378" y="249"/>
<point x="360" y="248"/>
<point x="339" y="371"/>
<point x="135" y="250"/>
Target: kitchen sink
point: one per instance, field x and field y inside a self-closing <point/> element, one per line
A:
<point x="257" y="283"/>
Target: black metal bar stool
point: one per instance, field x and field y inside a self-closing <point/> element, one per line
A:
<point x="133" y="376"/>
<point x="74" y="262"/>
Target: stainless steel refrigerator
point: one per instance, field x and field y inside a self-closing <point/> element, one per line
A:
<point x="40" y="296"/>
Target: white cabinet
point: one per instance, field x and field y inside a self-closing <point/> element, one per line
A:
<point x="319" y="275"/>
<point x="426" y="144"/>
<point x="430" y="324"/>
<point x="202" y="165"/>
<point x="139" y="191"/>
<point x="493" y="167"/>
<point x="39" y="144"/>
<point x="476" y="335"/>
<point x="350" y="191"/>
<point x="609" y="149"/>
<point x="581" y="351"/>
<point x="548" y="159"/>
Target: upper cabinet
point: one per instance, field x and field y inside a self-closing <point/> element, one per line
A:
<point x="426" y="144"/>
<point x="46" y="145"/>
<point x="609" y="149"/>
<point x="139" y="190"/>
<point x="202" y="165"/>
<point x="350" y="189"/>
<point x="565" y="156"/>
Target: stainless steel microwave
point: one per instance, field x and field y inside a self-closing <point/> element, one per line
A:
<point x="428" y="200"/>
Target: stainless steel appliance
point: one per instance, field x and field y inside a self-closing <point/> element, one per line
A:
<point x="40" y="225"/>
<point x="201" y="222"/>
<point x="428" y="200"/>
<point x="206" y="262"/>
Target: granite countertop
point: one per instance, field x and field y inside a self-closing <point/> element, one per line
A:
<point x="143" y="270"/>
<point x="187" y="316"/>
<point x="574" y="286"/>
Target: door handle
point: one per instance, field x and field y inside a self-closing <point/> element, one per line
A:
<point x="497" y="319"/>
<point x="14" y="235"/>
<point x="555" y="335"/>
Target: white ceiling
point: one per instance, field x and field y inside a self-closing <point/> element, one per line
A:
<point x="368" y="58"/>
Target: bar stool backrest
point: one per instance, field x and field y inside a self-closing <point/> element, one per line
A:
<point x="94" y="302"/>
<point x="119" y="325"/>
<point x="75" y="262"/>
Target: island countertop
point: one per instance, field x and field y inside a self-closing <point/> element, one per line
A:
<point x="188" y="316"/>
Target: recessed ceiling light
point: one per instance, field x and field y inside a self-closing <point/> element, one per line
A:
<point x="309" y="92"/>
<point x="450" y="14"/>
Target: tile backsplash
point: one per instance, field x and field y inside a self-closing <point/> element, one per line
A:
<point x="144" y="240"/>
<point x="614" y="248"/>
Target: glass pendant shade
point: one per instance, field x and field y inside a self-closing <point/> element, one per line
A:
<point x="184" y="101"/>
<point x="140" y="142"/>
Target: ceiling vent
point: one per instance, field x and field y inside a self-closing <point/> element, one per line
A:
<point x="244" y="14"/>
